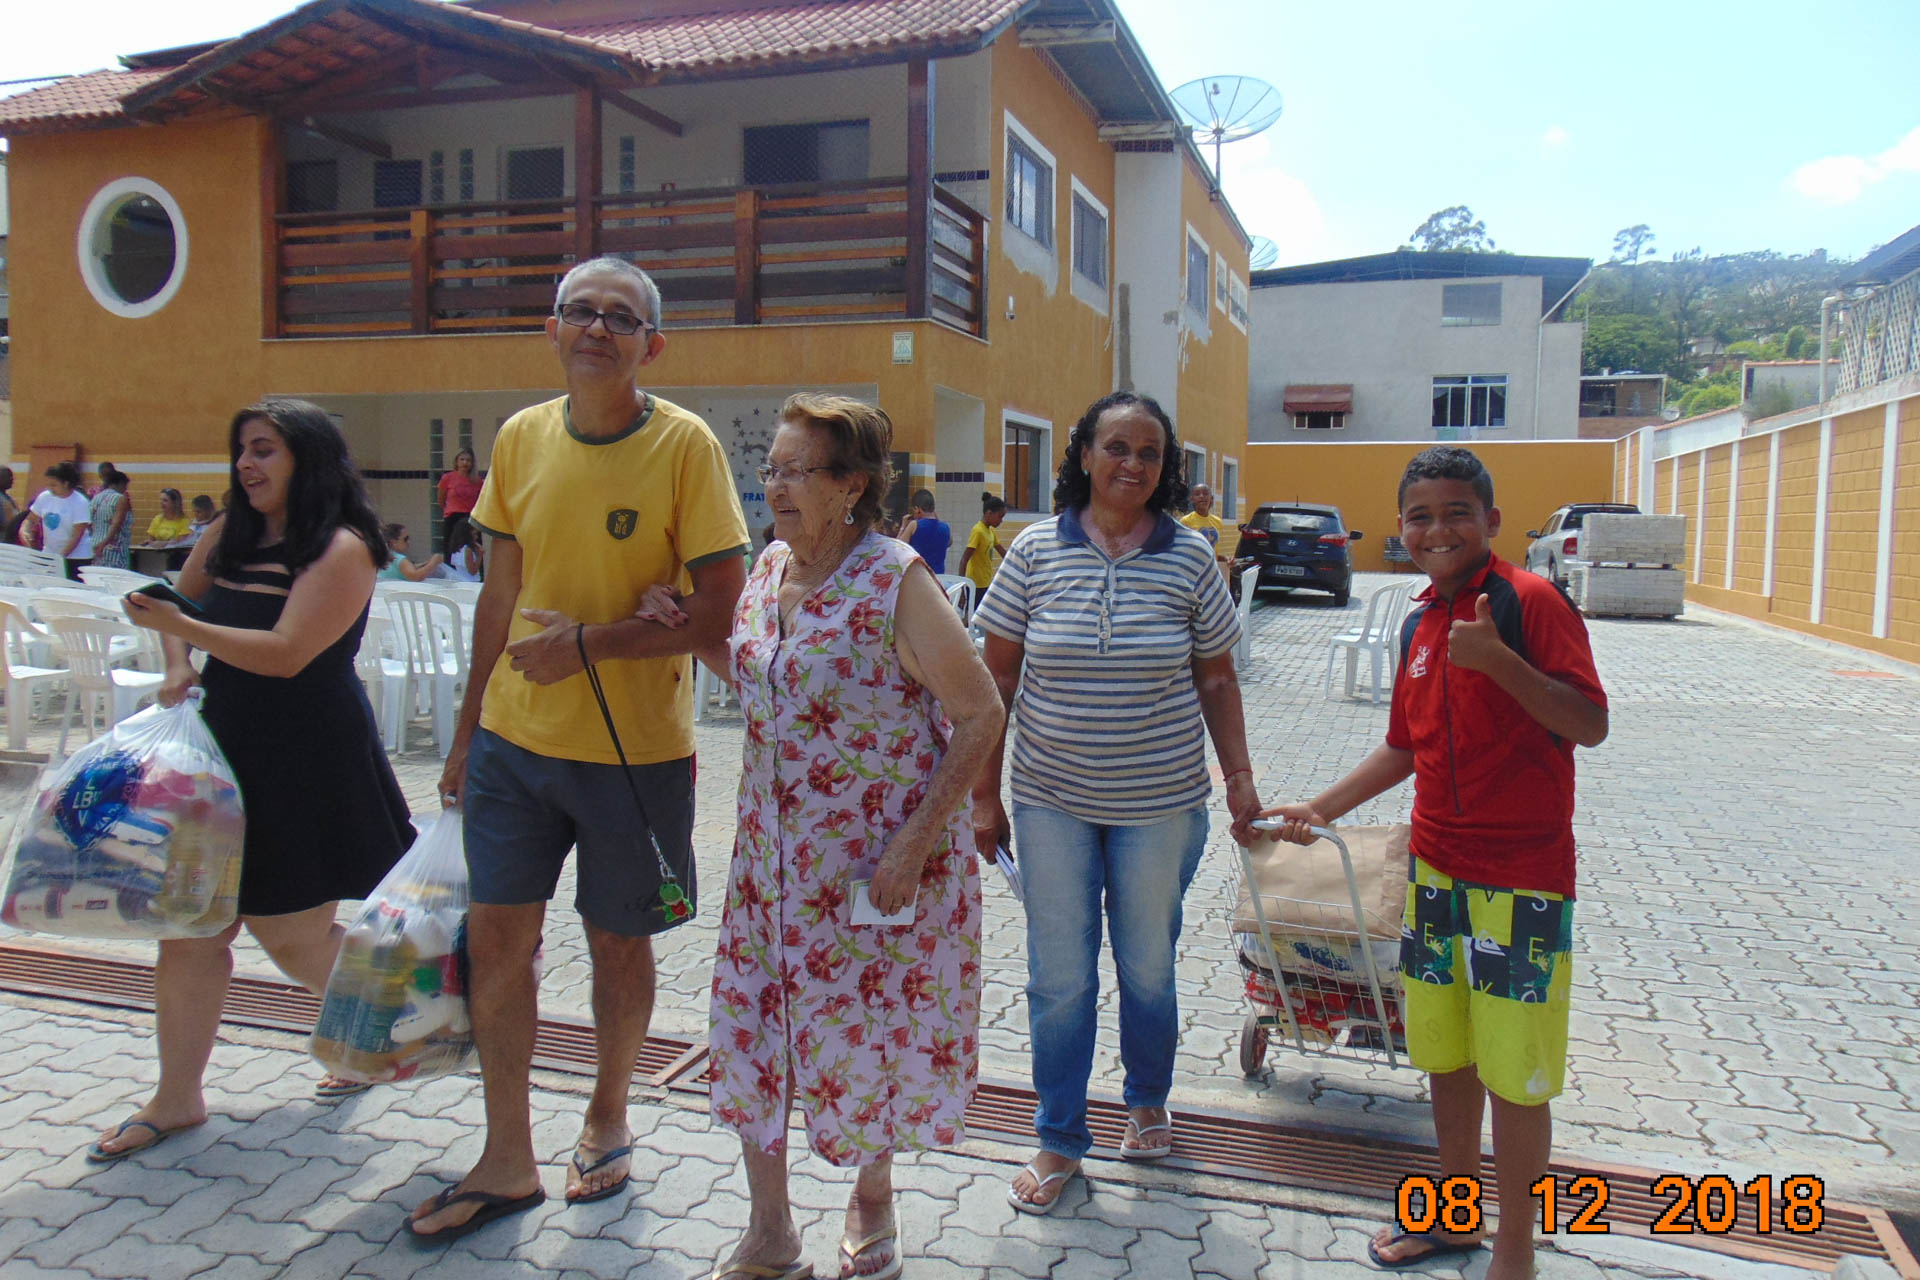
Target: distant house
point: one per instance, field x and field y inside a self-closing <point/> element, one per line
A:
<point x="979" y="214"/>
<point x="1614" y="404"/>
<point x="1416" y="346"/>
<point x="1770" y="387"/>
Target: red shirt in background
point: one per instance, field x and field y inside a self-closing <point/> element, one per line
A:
<point x="458" y="492"/>
<point x="1492" y="788"/>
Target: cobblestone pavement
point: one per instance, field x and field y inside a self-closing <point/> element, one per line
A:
<point x="1749" y="967"/>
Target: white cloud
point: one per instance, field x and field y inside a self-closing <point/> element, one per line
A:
<point x="1842" y="179"/>
<point x="1274" y="203"/>
<point x="1555" y="137"/>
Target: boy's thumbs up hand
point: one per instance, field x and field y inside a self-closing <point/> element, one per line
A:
<point x="1476" y="645"/>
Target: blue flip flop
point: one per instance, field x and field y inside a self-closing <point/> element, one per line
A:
<point x="606" y="1158"/>
<point x="1439" y="1243"/>
<point x="98" y="1154"/>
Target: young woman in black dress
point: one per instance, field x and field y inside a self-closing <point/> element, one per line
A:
<point x="285" y="578"/>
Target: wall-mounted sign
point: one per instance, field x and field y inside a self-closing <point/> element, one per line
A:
<point x="903" y="347"/>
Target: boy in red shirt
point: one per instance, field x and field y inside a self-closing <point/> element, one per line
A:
<point x="1496" y="687"/>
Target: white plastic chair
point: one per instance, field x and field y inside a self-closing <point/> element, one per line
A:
<point x="24" y="647"/>
<point x="384" y="674"/>
<point x="1249" y="588"/>
<point x="433" y="635"/>
<point x="26" y="560"/>
<point x="86" y="645"/>
<point x="709" y="691"/>
<point x="113" y="581"/>
<point x="136" y="645"/>
<point x="1376" y="637"/>
<point x="959" y="595"/>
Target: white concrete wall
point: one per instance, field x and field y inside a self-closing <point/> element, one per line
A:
<point x="1386" y="339"/>
<point x="1149" y="245"/>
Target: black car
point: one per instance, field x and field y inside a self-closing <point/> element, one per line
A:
<point x="1292" y="545"/>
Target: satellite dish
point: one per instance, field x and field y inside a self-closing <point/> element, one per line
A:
<point x="1222" y="109"/>
<point x="1263" y="254"/>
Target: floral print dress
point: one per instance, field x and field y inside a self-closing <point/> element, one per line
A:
<point x="878" y="1026"/>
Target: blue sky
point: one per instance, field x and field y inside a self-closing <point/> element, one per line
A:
<point x="1756" y="125"/>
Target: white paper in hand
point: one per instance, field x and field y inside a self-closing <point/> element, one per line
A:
<point x="1003" y="859"/>
<point x="864" y="912"/>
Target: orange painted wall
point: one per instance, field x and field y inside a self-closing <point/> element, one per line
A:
<point x="1853" y="519"/>
<point x="1793" y="522"/>
<point x="1689" y="506"/>
<point x="1714" y="516"/>
<point x="1750" y="518"/>
<point x="1529" y="480"/>
<point x="1903" y="616"/>
<point x="1662" y="488"/>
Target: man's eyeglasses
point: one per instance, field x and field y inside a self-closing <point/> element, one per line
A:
<point x="621" y="324"/>
<point x="790" y="475"/>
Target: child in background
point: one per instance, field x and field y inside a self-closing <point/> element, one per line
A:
<point x="1496" y="687"/>
<point x="927" y="533"/>
<point x="203" y="514"/>
<point x="983" y="544"/>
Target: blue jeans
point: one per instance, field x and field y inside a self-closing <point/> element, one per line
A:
<point x="1142" y="873"/>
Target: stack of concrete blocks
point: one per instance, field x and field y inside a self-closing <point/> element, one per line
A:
<point x="1631" y="566"/>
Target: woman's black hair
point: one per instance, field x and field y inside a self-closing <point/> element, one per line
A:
<point x="119" y="481"/>
<point x="991" y="502"/>
<point x="325" y="492"/>
<point x="1073" y="487"/>
<point x="66" y="473"/>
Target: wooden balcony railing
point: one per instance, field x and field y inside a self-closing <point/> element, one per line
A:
<point x="750" y="255"/>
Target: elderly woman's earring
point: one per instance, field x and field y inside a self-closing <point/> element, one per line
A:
<point x="848" y="518"/>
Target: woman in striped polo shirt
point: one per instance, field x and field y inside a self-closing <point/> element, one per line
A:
<point x="1125" y="634"/>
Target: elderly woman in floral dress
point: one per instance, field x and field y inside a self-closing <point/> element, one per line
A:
<point x="868" y="716"/>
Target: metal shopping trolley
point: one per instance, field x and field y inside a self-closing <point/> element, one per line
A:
<point x="1317" y="933"/>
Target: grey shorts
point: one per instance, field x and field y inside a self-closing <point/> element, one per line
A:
<point x="525" y="811"/>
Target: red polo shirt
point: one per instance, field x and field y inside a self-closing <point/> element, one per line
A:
<point x="1492" y="788"/>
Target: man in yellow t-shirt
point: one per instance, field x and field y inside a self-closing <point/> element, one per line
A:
<point x="589" y="500"/>
<point x="983" y="545"/>
<point x="1208" y="525"/>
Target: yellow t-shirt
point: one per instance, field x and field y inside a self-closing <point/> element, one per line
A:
<point x="983" y="541"/>
<point x="598" y="522"/>
<point x="1209" y="527"/>
<point x="169" y="530"/>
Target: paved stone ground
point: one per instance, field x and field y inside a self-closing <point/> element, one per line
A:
<point x="1749" y="970"/>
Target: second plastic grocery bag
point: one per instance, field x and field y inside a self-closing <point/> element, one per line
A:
<point x="396" y="1005"/>
<point x="137" y="835"/>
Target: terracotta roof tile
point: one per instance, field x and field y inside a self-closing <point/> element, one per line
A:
<point x="727" y="38"/>
<point x="94" y="96"/>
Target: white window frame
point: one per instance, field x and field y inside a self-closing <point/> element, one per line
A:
<point x="1469" y="322"/>
<point x="1093" y="293"/>
<point x="1194" y="475"/>
<point x="1043" y="490"/>
<point x="1470" y="383"/>
<point x="1033" y="144"/>
<point x="1238" y="301"/>
<point x="1221" y="274"/>
<point x="1199" y="322"/>
<point x="1339" y="422"/>
<point x="93" y="224"/>
<point x="1226" y="498"/>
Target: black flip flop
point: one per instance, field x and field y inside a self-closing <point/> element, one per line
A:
<point x="584" y="1169"/>
<point x="1440" y="1243"/>
<point x="493" y="1208"/>
<point x="97" y="1154"/>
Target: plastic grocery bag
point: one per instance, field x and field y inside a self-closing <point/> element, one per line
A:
<point x="396" y="1005"/>
<point x="137" y="835"/>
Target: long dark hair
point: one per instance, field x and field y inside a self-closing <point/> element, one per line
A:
<point x="324" y="494"/>
<point x="1073" y="487"/>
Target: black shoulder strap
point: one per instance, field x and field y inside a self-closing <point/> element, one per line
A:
<point x="1504" y="603"/>
<point x="1407" y="630"/>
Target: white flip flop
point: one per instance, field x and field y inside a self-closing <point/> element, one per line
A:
<point x="1037" y="1207"/>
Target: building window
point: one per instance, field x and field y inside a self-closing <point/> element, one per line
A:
<point x="1237" y="302"/>
<point x="1319" y="421"/>
<point x="1194" y="460"/>
<point x="1228" y="499"/>
<point x="436" y="177"/>
<point x="1027" y="463"/>
<point x="396" y="184"/>
<point x="1220" y="286"/>
<point x="1470" y="304"/>
<point x="1089" y="238"/>
<point x="628" y="165"/>
<point x="1029" y="191"/>
<point x="133" y="247"/>
<point x="1471" y="402"/>
<point x="834" y="151"/>
<point x="313" y="186"/>
<point x="534" y="173"/>
<point x="1197" y="262"/>
<point x="466" y="175"/>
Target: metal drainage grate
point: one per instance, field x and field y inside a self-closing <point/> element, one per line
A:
<point x="1215" y="1142"/>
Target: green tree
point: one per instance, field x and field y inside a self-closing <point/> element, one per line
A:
<point x="1453" y="228"/>
<point x="1706" y="399"/>
<point x="1620" y="342"/>
<point x="1630" y="244"/>
<point x="1797" y="342"/>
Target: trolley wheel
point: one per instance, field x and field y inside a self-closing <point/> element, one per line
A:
<point x="1253" y="1045"/>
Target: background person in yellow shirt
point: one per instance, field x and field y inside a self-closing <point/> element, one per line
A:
<point x="1208" y="525"/>
<point x="589" y="500"/>
<point x="983" y="545"/>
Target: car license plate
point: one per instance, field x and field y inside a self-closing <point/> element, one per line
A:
<point x="1290" y="570"/>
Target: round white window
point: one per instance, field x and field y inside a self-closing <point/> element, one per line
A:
<point x="133" y="247"/>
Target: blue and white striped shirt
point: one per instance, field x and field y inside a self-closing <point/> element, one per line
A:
<point x="1107" y="722"/>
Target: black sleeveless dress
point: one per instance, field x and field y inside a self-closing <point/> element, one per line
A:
<point x="325" y="817"/>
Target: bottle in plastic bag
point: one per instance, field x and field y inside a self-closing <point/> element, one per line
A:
<point x="137" y="835"/>
<point x="395" y="1006"/>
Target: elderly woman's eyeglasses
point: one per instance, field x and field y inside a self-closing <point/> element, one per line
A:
<point x="622" y="324"/>
<point x="786" y="475"/>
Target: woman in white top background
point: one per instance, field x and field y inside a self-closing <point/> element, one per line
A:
<point x="64" y="518"/>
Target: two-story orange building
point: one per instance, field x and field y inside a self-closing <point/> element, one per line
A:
<point x="980" y="214"/>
